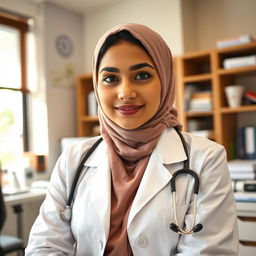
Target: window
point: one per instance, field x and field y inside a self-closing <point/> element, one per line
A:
<point x="13" y="89"/>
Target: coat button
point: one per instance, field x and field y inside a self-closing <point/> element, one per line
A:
<point x="142" y="242"/>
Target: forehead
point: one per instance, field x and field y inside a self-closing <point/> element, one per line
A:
<point x="125" y="53"/>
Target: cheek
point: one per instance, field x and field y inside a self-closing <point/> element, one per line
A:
<point x="155" y="94"/>
<point x="105" y="98"/>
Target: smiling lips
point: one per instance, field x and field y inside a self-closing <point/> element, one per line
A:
<point x="129" y="109"/>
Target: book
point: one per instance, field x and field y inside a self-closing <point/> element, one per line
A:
<point x="92" y="104"/>
<point x="228" y="42"/>
<point x="244" y="186"/>
<point x="241" y="165"/>
<point x="200" y="104"/>
<point x="237" y="62"/>
<point x="251" y="96"/>
<point x="246" y="142"/>
<point x="244" y="175"/>
<point x="250" y="142"/>
<point x="189" y="90"/>
<point x="245" y="196"/>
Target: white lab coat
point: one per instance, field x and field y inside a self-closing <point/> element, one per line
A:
<point x="151" y="212"/>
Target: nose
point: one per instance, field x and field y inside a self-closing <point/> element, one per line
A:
<point x="126" y="91"/>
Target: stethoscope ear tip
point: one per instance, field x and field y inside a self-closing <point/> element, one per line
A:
<point x="174" y="227"/>
<point x="198" y="227"/>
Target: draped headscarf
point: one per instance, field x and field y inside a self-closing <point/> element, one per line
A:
<point x="129" y="150"/>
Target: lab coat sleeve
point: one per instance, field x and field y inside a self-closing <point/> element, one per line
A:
<point x="216" y="210"/>
<point x="50" y="235"/>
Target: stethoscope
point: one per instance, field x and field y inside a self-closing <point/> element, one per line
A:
<point x="66" y="212"/>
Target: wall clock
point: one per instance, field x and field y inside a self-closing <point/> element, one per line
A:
<point x="64" y="45"/>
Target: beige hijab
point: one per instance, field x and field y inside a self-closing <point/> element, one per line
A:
<point x="129" y="150"/>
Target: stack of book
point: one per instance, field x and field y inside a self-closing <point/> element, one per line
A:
<point x="243" y="174"/>
<point x="242" y="169"/>
<point x="237" y="62"/>
<point x="228" y="42"/>
<point x="197" y="100"/>
<point x="201" y="101"/>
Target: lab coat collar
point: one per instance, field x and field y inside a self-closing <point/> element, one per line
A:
<point x="97" y="155"/>
<point x="170" y="148"/>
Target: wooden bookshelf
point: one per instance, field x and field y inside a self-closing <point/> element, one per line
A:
<point x="85" y="123"/>
<point x="206" y="68"/>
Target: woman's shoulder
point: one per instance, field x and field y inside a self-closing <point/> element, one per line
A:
<point x="201" y="144"/>
<point x="82" y="145"/>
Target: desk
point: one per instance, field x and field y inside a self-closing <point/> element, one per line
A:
<point x="32" y="195"/>
<point x="30" y="203"/>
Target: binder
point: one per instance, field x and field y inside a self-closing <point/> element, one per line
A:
<point x="246" y="142"/>
<point x="250" y="142"/>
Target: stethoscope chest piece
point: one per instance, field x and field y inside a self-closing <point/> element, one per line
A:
<point x="66" y="213"/>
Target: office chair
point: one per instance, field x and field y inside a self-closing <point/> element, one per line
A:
<point x="9" y="244"/>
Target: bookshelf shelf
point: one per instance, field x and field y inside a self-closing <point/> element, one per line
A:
<point x="197" y="113"/>
<point x="235" y="71"/>
<point x="206" y="69"/>
<point x="197" y="78"/>
<point x="249" y="108"/>
<point x="250" y="47"/>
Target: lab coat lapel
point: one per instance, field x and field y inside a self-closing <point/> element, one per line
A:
<point x="156" y="177"/>
<point x="169" y="150"/>
<point x="101" y="186"/>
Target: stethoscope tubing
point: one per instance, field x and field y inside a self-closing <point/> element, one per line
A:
<point x="66" y="212"/>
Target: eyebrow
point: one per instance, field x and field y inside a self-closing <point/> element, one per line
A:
<point x="141" y="65"/>
<point x="134" y="67"/>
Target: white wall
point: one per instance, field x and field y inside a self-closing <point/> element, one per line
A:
<point x="220" y="19"/>
<point x="60" y="95"/>
<point x="163" y="16"/>
<point x="22" y="7"/>
<point x="189" y="25"/>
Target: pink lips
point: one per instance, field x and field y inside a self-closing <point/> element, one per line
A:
<point x="129" y="109"/>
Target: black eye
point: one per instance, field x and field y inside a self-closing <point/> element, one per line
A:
<point x="143" y="76"/>
<point x="110" y="79"/>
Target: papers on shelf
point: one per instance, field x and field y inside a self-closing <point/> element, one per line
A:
<point x="228" y="42"/>
<point x="242" y="165"/>
<point x="239" y="62"/>
<point x="245" y="196"/>
<point x="242" y="169"/>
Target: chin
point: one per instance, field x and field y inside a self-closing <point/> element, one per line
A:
<point x="128" y="126"/>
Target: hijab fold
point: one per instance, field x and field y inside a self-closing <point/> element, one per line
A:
<point x="129" y="150"/>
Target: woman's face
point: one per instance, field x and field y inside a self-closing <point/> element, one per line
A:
<point x="129" y="86"/>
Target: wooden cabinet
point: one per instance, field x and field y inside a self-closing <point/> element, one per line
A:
<point x="246" y="212"/>
<point x="204" y="70"/>
<point x="85" y="123"/>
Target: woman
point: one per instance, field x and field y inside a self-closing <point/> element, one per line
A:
<point x="123" y="202"/>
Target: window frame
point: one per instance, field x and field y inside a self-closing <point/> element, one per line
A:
<point x="20" y="23"/>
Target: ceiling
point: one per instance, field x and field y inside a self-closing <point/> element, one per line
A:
<point x="80" y="6"/>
